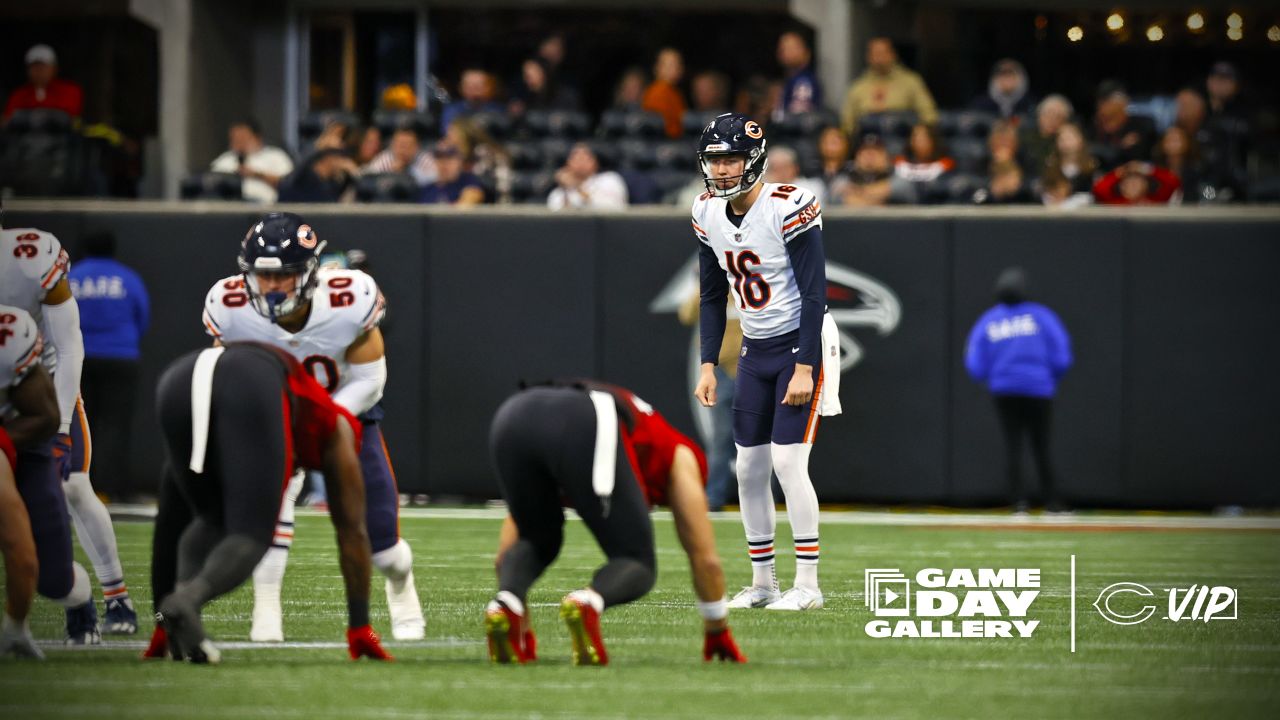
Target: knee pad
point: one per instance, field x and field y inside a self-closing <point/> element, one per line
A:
<point x="77" y="488"/>
<point x="791" y="463"/>
<point x="396" y="561"/>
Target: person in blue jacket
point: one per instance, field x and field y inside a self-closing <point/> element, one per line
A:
<point x="114" y="314"/>
<point x="1020" y="350"/>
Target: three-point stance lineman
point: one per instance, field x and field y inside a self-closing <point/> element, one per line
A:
<point x="328" y="319"/>
<point x="609" y="455"/>
<point x="236" y="421"/>
<point x="765" y="240"/>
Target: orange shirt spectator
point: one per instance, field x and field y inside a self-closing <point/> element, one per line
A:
<point x="663" y="94"/>
<point x="45" y="89"/>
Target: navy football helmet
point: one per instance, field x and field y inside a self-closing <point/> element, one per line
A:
<point x="733" y="134"/>
<point x="280" y="244"/>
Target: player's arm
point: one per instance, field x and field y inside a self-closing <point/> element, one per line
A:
<point x="62" y="328"/>
<point x="16" y="543"/>
<point x="366" y="375"/>
<point x="345" y="486"/>
<point x="36" y="403"/>
<point x="808" y="264"/>
<point x="688" y="505"/>
<point x="711" y="320"/>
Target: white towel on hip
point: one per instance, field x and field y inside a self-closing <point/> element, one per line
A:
<point x="829" y="398"/>
<point x="202" y="404"/>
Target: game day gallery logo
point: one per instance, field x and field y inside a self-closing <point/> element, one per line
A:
<point x="960" y="603"/>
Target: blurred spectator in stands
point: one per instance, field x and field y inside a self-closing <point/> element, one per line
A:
<point x="1002" y="143"/>
<point x="551" y="51"/>
<point x="1224" y="93"/>
<point x="483" y="157"/>
<point x="538" y="90"/>
<point x="801" y="91"/>
<point x="1038" y="140"/>
<point x="1056" y="192"/>
<point x="886" y="85"/>
<point x="368" y="145"/>
<point x="453" y="185"/>
<point x="1180" y="153"/>
<point x="1007" y="92"/>
<point x="1006" y="186"/>
<point x="262" y="166"/>
<point x="581" y="184"/>
<point x="833" y="150"/>
<point x="871" y="180"/>
<point x="328" y="174"/>
<point x="1020" y="351"/>
<point x="784" y="168"/>
<point x="1137" y="183"/>
<point x="1219" y="153"/>
<point x="758" y="98"/>
<point x="1071" y="159"/>
<point x="475" y="91"/>
<point x="1120" y="137"/>
<point x="925" y="160"/>
<point x="114" y="314"/>
<point x="404" y="155"/>
<point x="629" y="93"/>
<point x="44" y="89"/>
<point x="663" y="94"/>
<point x="709" y="91"/>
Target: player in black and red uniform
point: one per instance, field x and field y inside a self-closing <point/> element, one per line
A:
<point x="609" y="455"/>
<point x="237" y="420"/>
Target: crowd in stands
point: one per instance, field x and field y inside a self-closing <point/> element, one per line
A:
<point x="526" y="139"/>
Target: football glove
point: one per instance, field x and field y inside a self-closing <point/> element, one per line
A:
<point x="720" y="645"/>
<point x="158" y="648"/>
<point x="364" y="642"/>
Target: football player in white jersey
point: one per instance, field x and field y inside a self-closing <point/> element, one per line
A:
<point x="328" y="319"/>
<point x="35" y="533"/>
<point x="764" y="241"/>
<point x="33" y="269"/>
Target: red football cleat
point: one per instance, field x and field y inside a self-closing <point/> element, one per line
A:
<point x="364" y="642"/>
<point x="510" y="639"/>
<point x="158" y="649"/>
<point x="583" y="622"/>
<point x="720" y="645"/>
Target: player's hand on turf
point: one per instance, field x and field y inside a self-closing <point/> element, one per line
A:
<point x="364" y="642"/>
<point x="800" y="389"/>
<point x="158" y="648"/>
<point x="719" y="645"/>
<point x="705" y="392"/>
<point x="62" y="455"/>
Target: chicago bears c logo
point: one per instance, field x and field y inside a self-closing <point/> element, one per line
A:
<point x="753" y="130"/>
<point x="306" y="238"/>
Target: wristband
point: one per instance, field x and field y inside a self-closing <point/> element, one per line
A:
<point x="714" y="610"/>
<point x="357" y="613"/>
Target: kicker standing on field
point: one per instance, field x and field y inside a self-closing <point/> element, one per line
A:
<point x="328" y="319"/>
<point x="765" y="240"/>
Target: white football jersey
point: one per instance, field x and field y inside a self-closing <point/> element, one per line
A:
<point x="31" y="263"/>
<point x="20" y="347"/>
<point x="346" y="305"/>
<point x="754" y="254"/>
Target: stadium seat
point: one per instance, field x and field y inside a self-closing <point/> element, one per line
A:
<point x="39" y="120"/>
<point x="212" y="186"/>
<point x="387" y="188"/>
<point x="888" y="124"/>
<point x="960" y="187"/>
<point x="554" y="152"/>
<point x="695" y="121"/>
<point x="971" y="123"/>
<point x="970" y="154"/>
<point x="388" y="121"/>
<point x="636" y="154"/>
<point x="608" y="154"/>
<point x="557" y="123"/>
<point x="675" y="155"/>
<point x="631" y="124"/>
<point x="641" y="188"/>
<point x="314" y="123"/>
<point x="532" y="187"/>
<point x="525" y="155"/>
<point x="498" y="125"/>
<point x="808" y="156"/>
<point x="804" y="125"/>
<point x="670" y="182"/>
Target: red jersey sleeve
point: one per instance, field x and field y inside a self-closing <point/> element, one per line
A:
<point x="6" y="447"/>
<point x="651" y="448"/>
<point x="315" y="418"/>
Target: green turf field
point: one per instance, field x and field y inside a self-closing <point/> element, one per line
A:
<point x="810" y="665"/>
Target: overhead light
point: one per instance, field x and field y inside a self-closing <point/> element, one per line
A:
<point x="1273" y="33"/>
<point x="1075" y="34"/>
<point x="1155" y="33"/>
<point x="1195" y="21"/>
<point x="1235" y="21"/>
<point x="1115" y="22"/>
<point x="1234" y="33"/>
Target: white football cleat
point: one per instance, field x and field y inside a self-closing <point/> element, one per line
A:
<point x="754" y="597"/>
<point x="798" y="598"/>
<point x="407" y="622"/>
<point x="268" y="620"/>
<point x="16" y="640"/>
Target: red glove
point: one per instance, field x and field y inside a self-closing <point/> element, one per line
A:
<point x="62" y="455"/>
<point x="364" y="642"/>
<point x="720" y="644"/>
<point x="159" y="646"/>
